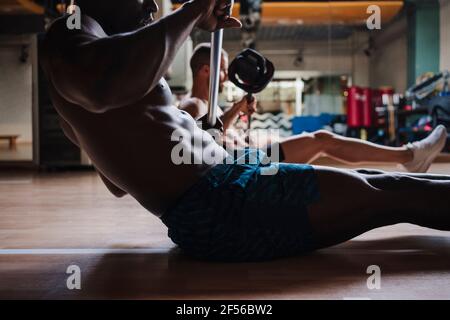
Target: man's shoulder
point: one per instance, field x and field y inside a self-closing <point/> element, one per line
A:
<point x="60" y="40"/>
<point x="62" y="32"/>
<point x="194" y="101"/>
<point x="195" y="106"/>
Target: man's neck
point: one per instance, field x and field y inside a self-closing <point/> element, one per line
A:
<point x="200" y="90"/>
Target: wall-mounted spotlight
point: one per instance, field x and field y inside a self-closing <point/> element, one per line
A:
<point x="370" y="47"/>
<point x="299" y="59"/>
<point x="24" y="53"/>
<point x="250" y="16"/>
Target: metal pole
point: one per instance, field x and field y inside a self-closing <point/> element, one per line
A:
<point x="214" y="74"/>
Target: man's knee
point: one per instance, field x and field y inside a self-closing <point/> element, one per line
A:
<point x="324" y="138"/>
<point x="390" y="181"/>
<point x="323" y="134"/>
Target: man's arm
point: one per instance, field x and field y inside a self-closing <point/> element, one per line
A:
<point x="102" y="72"/>
<point x="198" y="108"/>
<point x="229" y="117"/>
<point x="68" y="131"/>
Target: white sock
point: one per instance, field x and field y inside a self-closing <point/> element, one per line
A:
<point x="426" y="150"/>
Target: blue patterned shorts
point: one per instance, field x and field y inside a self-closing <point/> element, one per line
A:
<point x="236" y="213"/>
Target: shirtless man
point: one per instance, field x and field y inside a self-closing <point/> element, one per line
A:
<point x="305" y="148"/>
<point x="106" y="82"/>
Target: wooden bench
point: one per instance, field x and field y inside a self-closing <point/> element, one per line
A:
<point x="12" y="138"/>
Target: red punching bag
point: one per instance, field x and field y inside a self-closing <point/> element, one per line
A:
<point x="354" y="107"/>
<point x="368" y="110"/>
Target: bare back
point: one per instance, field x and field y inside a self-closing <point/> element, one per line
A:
<point x="132" y="145"/>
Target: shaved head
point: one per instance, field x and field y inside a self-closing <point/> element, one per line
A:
<point x="118" y="16"/>
<point x="201" y="56"/>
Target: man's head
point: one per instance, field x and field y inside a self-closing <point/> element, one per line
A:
<point x="117" y="16"/>
<point x="200" y="61"/>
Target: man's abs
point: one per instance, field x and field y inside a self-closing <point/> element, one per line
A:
<point x="132" y="147"/>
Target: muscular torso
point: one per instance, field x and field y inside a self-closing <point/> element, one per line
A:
<point x="130" y="143"/>
<point x="131" y="146"/>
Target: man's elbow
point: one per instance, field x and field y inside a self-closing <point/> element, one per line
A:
<point x="111" y="97"/>
<point x="94" y="98"/>
<point x="87" y="98"/>
<point x="115" y="191"/>
<point x="96" y="101"/>
<point x="119" y="194"/>
<point x="98" y="94"/>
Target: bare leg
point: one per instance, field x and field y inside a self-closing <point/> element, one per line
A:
<point x="305" y="148"/>
<point x="371" y="203"/>
<point x="369" y="173"/>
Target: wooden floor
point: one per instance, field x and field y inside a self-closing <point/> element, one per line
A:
<point x="22" y="152"/>
<point x="51" y="221"/>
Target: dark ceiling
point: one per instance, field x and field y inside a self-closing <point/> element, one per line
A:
<point x="287" y="33"/>
<point x="20" y="17"/>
